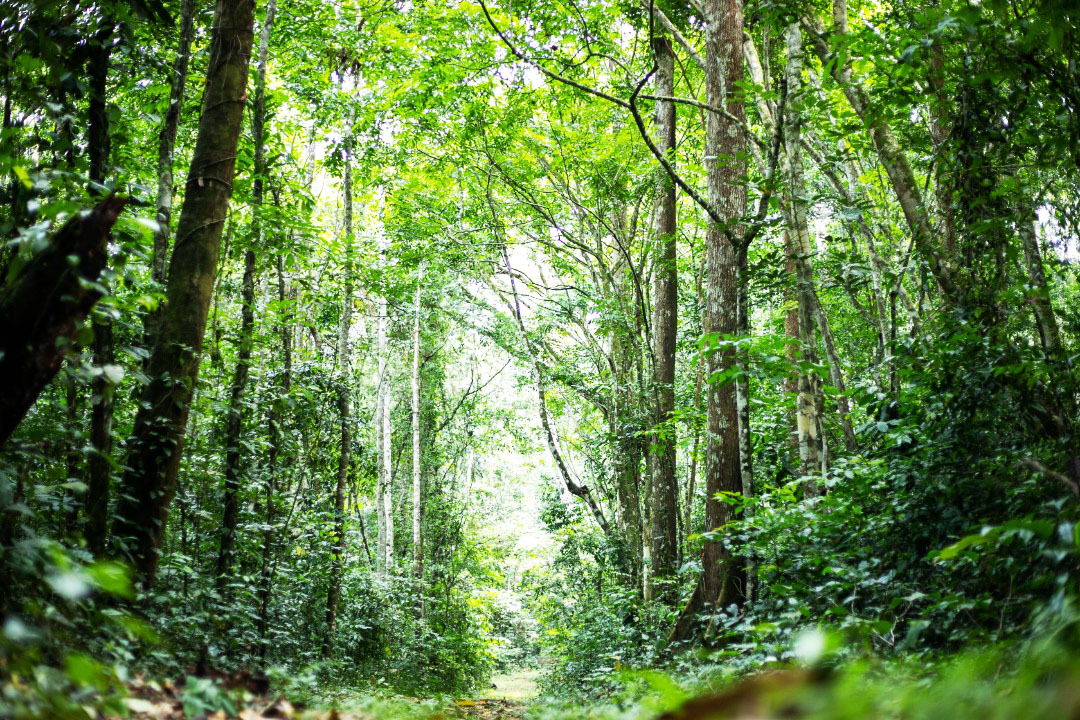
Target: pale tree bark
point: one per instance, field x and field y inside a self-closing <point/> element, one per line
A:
<point x="663" y="536"/>
<point x="836" y="377"/>
<point x="1045" y="319"/>
<point x="688" y="526"/>
<point x="724" y="578"/>
<point x="417" y="499"/>
<point x="800" y="249"/>
<point x="167" y="140"/>
<point x="344" y="378"/>
<point x="156" y="443"/>
<point x="380" y="404"/>
<point x="236" y="415"/>
<point x="385" y="499"/>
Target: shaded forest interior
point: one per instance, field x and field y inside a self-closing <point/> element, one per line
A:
<point x="681" y="358"/>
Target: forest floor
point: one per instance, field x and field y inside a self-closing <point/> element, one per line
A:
<point x="507" y="699"/>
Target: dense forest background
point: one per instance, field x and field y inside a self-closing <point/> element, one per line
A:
<point x="392" y="345"/>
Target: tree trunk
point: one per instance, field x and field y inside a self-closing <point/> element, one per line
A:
<point x="724" y="578"/>
<point x="800" y="249"/>
<point x="42" y="309"/>
<point x="156" y="443"/>
<point x="417" y="504"/>
<point x="664" y="542"/>
<point x="385" y="500"/>
<point x="277" y="440"/>
<point x="99" y="465"/>
<point x="166" y="146"/>
<point x="337" y="565"/>
<point x="627" y="460"/>
<point x="1045" y="319"/>
<point x="237" y="411"/>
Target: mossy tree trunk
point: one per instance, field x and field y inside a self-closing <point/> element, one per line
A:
<point x="156" y="443"/>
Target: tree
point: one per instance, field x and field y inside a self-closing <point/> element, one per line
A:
<point x="665" y="507"/>
<point x="157" y="441"/>
<point x="237" y="413"/>
<point x="723" y="579"/>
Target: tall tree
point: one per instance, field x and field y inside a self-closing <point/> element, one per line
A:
<point x="236" y="414"/>
<point x="384" y="488"/>
<point x="99" y="146"/>
<point x="166" y="150"/>
<point x="724" y="579"/>
<point x="663" y="547"/>
<point x="417" y="495"/>
<point x="344" y="378"/>
<point x="157" y="440"/>
<point x="799" y="250"/>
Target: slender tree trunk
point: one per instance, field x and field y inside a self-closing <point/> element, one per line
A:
<point x="417" y="498"/>
<point x="939" y="133"/>
<point x="380" y="404"/>
<point x="724" y="578"/>
<point x="800" y="250"/>
<point x="277" y="440"/>
<point x="156" y="443"/>
<point x="688" y="525"/>
<point x="99" y="466"/>
<point x="664" y="539"/>
<point x="166" y="147"/>
<point x="237" y="411"/>
<point x="742" y="380"/>
<point x="385" y="488"/>
<point x="1045" y="319"/>
<point x="627" y="460"/>
<point x="235" y="417"/>
<point x="337" y="565"/>
<point x="836" y="376"/>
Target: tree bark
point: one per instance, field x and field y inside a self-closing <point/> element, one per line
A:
<point x="156" y="443"/>
<point x="42" y="308"/>
<point x="236" y="414"/>
<point x="800" y="249"/>
<point x="166" y="147"/>
<point x="167" y="139"/>
<point x="1045" y="319"/>
<point x="417" y="498"/>
<point x="724" y="578"/>
<point x="664" y="542"/>
<point x="627" y="461"/>
<point x="99" y="465"/>
<point x="344" y="378"/>
<point x="277" y="440"/>
<point x="385" y="501"/>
